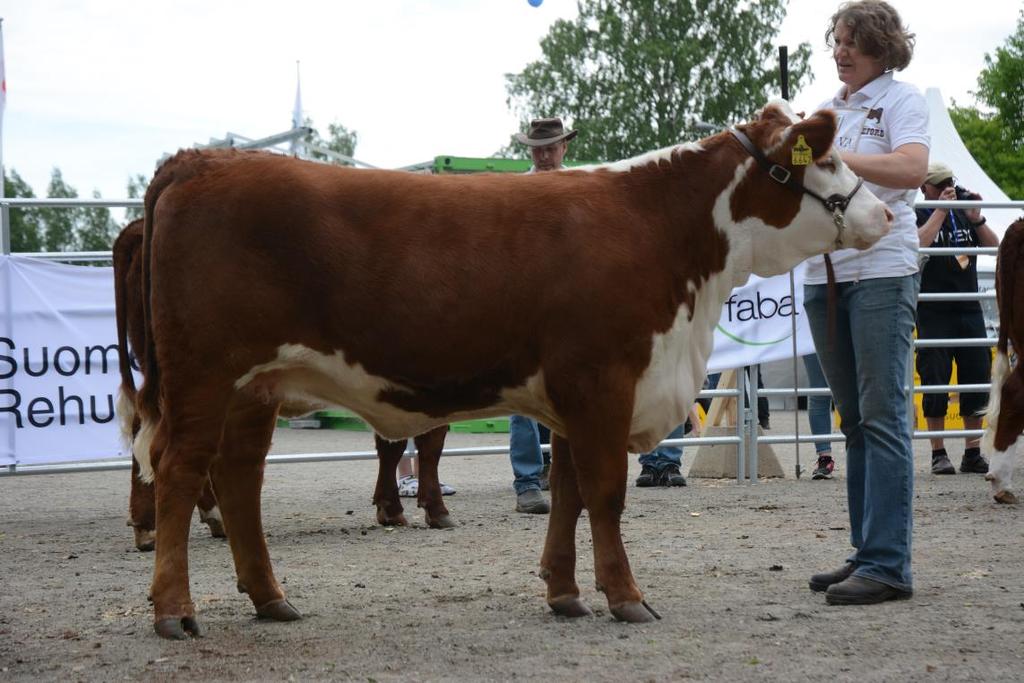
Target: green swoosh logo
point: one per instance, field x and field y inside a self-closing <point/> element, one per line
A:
<point x="741" y="340"/>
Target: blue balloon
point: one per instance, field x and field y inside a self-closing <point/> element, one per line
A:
<point x="535" y="3"/>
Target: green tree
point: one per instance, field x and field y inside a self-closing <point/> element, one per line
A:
<point x="339" y="139"/>
<point x="1001" y="85"/>
<point x="635" y="75"/>
<point x="97" y="229"/>
<point x="136" y="190"/>
<point x="985" y="137"/>
<point x="26" y="224"/>
<point x="59" y="223"/>
<point x="996" y="139"/>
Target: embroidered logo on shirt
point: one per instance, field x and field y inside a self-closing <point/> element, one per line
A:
<point x="874" y="115"/>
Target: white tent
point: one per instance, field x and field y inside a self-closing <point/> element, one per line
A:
<point x="949" y="148"/>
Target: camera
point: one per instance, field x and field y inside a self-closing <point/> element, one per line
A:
<point x="963" y="194"/>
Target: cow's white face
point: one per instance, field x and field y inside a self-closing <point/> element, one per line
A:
<point x="814" y="230"/>
<point x="865" y="220"/>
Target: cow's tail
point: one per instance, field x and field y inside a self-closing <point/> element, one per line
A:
<point x="126" y="396"/>
<point x="148" y="400"/>
<point x="1006" y="268"/>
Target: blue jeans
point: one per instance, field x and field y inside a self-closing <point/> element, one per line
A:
<point x="819" y="408"/>
<point x="866" y="368"/>
<point x="524" y="452"/>
<point x="663" y="456"/>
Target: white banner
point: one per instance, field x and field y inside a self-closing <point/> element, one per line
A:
<point x="58" y="354"/>
<point x="756" y="326"/>
<point x="58" y="363"/>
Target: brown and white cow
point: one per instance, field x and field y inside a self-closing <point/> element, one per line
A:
<point x="584" y="298"/>
<point x="1006" y="400"/>
<point x="127" y="251"/>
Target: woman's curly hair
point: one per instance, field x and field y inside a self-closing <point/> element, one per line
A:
<point x="877" y="30"/>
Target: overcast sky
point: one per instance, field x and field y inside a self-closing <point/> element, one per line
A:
<point x="103" y="88"/>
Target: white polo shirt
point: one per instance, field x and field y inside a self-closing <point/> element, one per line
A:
<point x="877" y="119"/>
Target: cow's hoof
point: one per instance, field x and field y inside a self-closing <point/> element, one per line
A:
<point x="145" y="539"/>
<point x="1005" y="497"/>
<point x="444" y="521"/>
<point x="569" y="606"/>
<point x="635" y="612"/>
<point x="177" y="628"/>
<point x="278" y="610"/>
<point x="216" y="528"/>
<point x="212" y="519"/>
<point x="386" y="520"/>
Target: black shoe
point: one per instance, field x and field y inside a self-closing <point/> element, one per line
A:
<point x="821" y="582"/>
<point x="648" y="477"/>
<point x="670" y="476"/>
<point x="974" y="464"/>
<point x="765" y="424"/>
<point x="824" y="469"/>
<point x="545" y="483"/>
<point x="857" y="590"/>
<point x="941" y="463"/>
<point x="532" y="502"/>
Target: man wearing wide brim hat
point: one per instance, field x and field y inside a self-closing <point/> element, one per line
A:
<point x="548" y="141"/>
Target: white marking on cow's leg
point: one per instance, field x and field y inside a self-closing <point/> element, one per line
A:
<point x="1000" y="473"/>
<point x="212" y="518"/>
<point x="140" y="449"/>
<point x="145" y="539"/>
<point x="1000" y="370"/>
<point x="126" y="417"/>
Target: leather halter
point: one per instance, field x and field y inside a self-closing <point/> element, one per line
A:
<point x="835" y="204"/>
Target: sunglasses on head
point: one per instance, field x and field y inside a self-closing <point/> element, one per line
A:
<point x="948" y="182"/>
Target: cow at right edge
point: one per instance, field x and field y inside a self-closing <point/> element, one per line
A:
<point x="1006" y="402"/>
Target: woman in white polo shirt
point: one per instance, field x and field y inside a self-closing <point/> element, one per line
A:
<point x="882" y="136"/>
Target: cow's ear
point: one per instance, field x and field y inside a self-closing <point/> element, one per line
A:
<point x="816" y="133"/>
<point x="774" y="114"/>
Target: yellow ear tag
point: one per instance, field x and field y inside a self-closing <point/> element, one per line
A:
<point x="802" y="152"/>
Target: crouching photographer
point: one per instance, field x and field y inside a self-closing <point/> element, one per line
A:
<point x="952" y="319"/>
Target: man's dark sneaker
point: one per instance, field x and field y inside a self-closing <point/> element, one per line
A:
<point x="648" y="477"/>
<point x="974" y="463"/>
<point x="824" y="469"/>
<point x="545" y="482"/>
<point x="941" y="463"/>
<point x="820" y="582"/>
<point x="671" y="476"/>
<point x="532" y="502"/>
<point x="858" y="590"/>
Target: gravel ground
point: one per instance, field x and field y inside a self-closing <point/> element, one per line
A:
<point x="725" y="564"/>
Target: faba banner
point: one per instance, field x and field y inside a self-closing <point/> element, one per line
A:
<point x="58" y="363"/>
<point x="59" y="370"/>
<point x="756" y="324"/>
